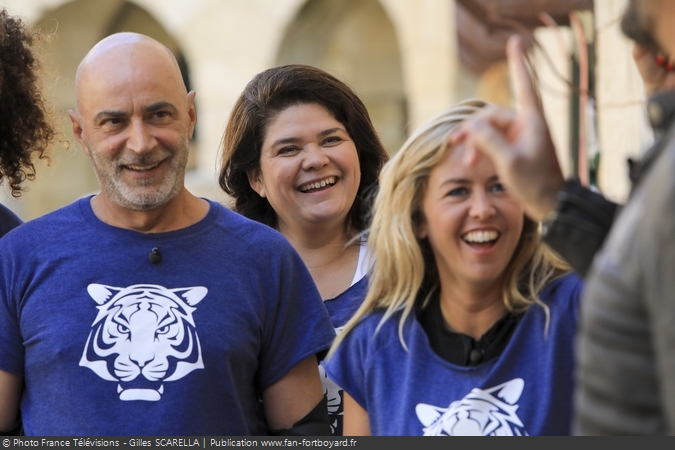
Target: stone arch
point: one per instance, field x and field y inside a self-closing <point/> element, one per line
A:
<point x="356" y="41"/>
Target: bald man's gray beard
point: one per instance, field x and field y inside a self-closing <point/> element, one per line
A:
<point x="141" y="195"/>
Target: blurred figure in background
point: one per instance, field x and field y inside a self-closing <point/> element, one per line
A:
<point x="626" y="347"/>
<point x="300" y="154"/>
<point x="25" y="127"/>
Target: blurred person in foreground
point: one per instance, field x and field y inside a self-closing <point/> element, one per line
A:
<point x="25" y="127"/>
<point x="469" y="322"/>
<point x="626" y="346"/>
<point x="144" y="310"/>
<point x="300" y="154"/>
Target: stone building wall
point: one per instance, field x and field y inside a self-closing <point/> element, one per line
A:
<point x="399" y="55"/>
<point x="224" y="44"/>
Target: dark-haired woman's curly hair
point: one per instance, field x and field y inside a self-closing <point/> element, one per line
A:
<point x="25" y="126"/>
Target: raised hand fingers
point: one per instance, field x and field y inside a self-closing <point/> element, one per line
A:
<point x="525" y="93"/>
<point x="483" y="136"/>
<point x="492" y="125"/>
<point x="499" y="117"/>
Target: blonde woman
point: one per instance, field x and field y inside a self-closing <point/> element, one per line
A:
<point x="469" y="321"/>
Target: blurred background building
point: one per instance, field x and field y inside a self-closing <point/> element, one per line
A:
<point x="407" y="60"/>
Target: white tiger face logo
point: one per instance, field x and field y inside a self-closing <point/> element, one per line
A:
<point x="490" y="412"/>
<point x="142" y="336"/>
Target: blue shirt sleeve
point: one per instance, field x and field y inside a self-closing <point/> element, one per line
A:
<point x="297" y="324"/>
<point x="348" y="366"/>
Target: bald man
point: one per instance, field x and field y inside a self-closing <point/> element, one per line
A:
<point x="144" y="310"/>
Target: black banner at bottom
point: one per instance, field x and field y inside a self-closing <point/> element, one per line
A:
<point x="362" y="443"/>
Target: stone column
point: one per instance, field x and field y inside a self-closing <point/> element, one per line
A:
<point x="428" y="41"/>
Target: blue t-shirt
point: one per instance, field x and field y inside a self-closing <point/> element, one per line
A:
<point x="111" y="344"/>
<point x="343" y="307"/>
<point x="340" y="309"/>
<point x="527" y="390"/>
<point x="8" y="220"/>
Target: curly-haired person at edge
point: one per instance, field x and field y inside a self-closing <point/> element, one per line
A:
<point x="25" y="128"/>
<point x="143" y="309"/>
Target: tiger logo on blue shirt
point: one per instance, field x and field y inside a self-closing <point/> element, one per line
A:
<point x="489" y="412"/>
<point x="143" y="335"/>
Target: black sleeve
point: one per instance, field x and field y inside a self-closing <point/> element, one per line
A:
<point x="315" y="423"/>
<point x="579" y="225"/>
<point x="17" y="430"/>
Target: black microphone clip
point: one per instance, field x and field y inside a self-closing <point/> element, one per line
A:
<point x="155" y="256"/>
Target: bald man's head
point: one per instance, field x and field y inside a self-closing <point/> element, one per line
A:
<point x="126" y="50"/>
<point x="134" y="118"/>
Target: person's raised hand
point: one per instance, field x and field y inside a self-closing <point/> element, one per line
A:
<point x="518" y="143"/>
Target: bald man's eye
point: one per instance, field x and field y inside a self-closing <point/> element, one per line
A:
<point x="112" y="121"/>
<point x="161" y="115"/>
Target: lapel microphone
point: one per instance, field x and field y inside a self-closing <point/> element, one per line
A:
<point x="155" y="256"/>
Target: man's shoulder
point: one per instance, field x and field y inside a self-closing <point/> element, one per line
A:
<point x="52" y="223"/>
<point x="50" y="235"/>
<point x="247" y="230"/>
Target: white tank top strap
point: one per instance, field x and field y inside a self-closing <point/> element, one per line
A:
<point x="364" y="263"/>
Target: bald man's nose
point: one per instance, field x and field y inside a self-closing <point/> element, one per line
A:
<point x="141" y="139"/>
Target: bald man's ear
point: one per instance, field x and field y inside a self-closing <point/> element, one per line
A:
<point x="192" y="112"/>
<point x="77" y="129"/>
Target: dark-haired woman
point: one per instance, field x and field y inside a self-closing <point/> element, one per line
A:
<point x="300" y="155"/>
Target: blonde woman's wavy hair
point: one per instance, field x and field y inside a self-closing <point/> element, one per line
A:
<point x="405" y="271"/>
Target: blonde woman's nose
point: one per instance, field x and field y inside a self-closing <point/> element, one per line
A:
<point x="482" y="206"/>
